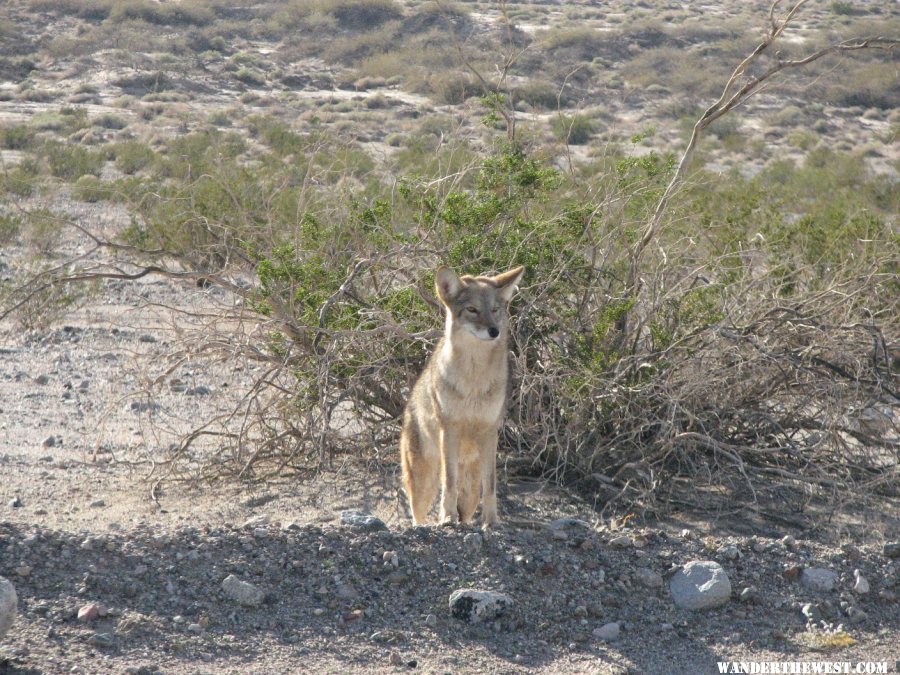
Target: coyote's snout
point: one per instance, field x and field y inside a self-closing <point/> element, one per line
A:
<point x="454" y="412"/>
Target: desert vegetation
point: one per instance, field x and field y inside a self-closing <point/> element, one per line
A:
<point x="713" y="324"/>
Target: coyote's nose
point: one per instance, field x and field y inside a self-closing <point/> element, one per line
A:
<point x="493" y="331"/>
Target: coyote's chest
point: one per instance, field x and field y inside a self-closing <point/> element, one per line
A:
<point x="471" y="388"/>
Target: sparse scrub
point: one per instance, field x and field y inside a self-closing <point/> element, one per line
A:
<point x="574" y="129"/>
<point x="70" y="162"/>
<point x="132" y="156"/>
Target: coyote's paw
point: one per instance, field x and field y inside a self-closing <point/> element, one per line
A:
<point x="449" y="520"/>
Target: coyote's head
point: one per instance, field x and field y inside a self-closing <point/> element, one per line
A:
<point x="477" y="305"/>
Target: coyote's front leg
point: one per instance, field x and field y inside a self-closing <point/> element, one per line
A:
<point x="489" y="480"/>
<point x="449" y="441"/>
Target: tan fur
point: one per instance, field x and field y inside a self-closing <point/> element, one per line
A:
<point x="454" y="412"/>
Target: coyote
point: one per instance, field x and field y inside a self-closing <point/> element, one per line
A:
<point x="454" y="411"/>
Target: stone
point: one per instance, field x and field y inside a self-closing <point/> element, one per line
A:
<point x="89" y="612"/>
<point x="623" y="541"/>
<point x="861" y="587"/>
<point x="700" y="585"/>
<point x="818" y="579"/>
<point x="569" y="523"/>
<point x="729" y="552"/>
<point x="476" y="606"/>
<point x="649" y="578"/>
<point x="8" y="605"/>
<point x="362" y="521"/>
<point x="242" y="592"/>
<point x="608" y="632"/>
<point x="891" y="550"/>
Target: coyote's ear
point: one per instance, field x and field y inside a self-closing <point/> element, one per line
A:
<point x="447" y="284"/>
<point x="508" y="282"/>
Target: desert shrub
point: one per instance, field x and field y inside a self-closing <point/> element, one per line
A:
<point x="69" y="162"/>
<point x="109" y="121"/>
<point x="574" y="129"/>
<point x="453" y="88"/>
<point x="132" y="156"/>
<point x="10" y="226"/>
<point x="90" y="189"/>
<point x="18" y="137"/>
<point x="21" y="180"/>
<point x="364" y="14"/>
<point x="144" y="83"/>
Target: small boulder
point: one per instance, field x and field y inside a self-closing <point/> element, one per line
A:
<point x="608" y="632"/>
<point x="891" y="550"/>
<point x="861" y="587"/>
<point x="362" y="521"/>
<point x="8" y="605"/>
<point x="818" y="579"/>
<point x="700" y="585"/>
<point x="649" y="578"/>
<point x="242" y="592"/>
<point x="475" y="606"/>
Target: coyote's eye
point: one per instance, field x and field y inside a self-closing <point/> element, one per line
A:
<point x="495" y="308"/>
<point x="472" y="310"/>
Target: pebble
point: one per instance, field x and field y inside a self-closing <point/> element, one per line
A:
<point x="242" y="592"/>
<point x="24" y="570"/>
<point x="649" y="578"/>
<point x="475" y="606"/>
<point x="395" y="659"/>
<point x="623" y="541"/>
<point x="758" y="546"/>
<point x="700" y="585"/>
<point x="195" y="628"/>
<point x="861" y="587"/>
<point x="608" y="632"/>
<point x="8" y="605"/>
<point x="564" y="523"/>
<point x="729" y="552"/>
<point x="101" y="640"/>
<point x="15" y="502"/>
<point x="818" y="579"/>
<point x="788" y="541"/>
<point x="748" y="594"/>
<point x="41" y="379"/>
<point x="431" y="620"/>
<point x="891" y="550"/>
<point x="473" y="541"/>
<point x="49" y="442"/>
<point x="89" y="612"/>
<point x="362" y="521"/>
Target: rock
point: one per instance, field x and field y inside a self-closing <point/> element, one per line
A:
<point x="242" y="592"/>
<point x="788" y="541"/>
<point x="41" y="380"/>
<point x="699" y="585"/>
<point x="395" y="659"/>
<point x="891" y="550"/>
<point x="569" y="523"/>
<point x="623" y="541"/>
<point x="8" y="605"/>
<point x="15" y="503"/>
<point x="89" y="612"/>
<point x="818" y="579"/>
<point x="791" y="573"/>
<point x="431" y="620"/>
<point x="473" y="541"/>
<point x="649" y="578"/>
<point x="729" y="552"/>
<point x="49" y="442"/>
<point x="748" y="594"/>
<point x="608" y="632"/>
<point x="856" y="615"/>
<point x="101" y="640"/>
<point x="362" y="521"/>
<point x="475" y="606"/>
<point x="861" y="587"/>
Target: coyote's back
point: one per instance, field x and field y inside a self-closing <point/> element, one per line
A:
<point x="454" y="412"/>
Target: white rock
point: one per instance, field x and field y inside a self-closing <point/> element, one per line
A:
<point x="8" y="605"/>
<point x="818" y="579"/>
<point x="475" y="606"/>
<point x="608" y="632"/>
<point x="242" y="592"/>
<point x="699" y="585"/>
<point x="862" y="584"/>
